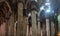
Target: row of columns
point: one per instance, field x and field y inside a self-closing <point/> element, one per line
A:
<point x="34" y="27"/>
<point x="20" y="28"/>
<point x="22" y="24"/>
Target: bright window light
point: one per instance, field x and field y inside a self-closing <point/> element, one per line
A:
<point x="47" y="4"/>
<point x="47" y="0"/>
<point x="48" y="10"/>
<point x="36" y="0"/>
<point x="41" y="8"/>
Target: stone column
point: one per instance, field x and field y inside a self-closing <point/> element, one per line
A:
<point x="24" y="25"/>
<point x="39" y="29"/>
<point x="20" y="20"/>
<point x="7" y="26"/>
<point x="15" y="24"/>
<point x="11" y="26"/>
<point x="27" y="31"/>
<point x="47" y="27"/>
<point x="52" y="28"/>
<point x="34" y="25"/>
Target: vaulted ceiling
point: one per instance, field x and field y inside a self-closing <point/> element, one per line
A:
<point x="13" y="3"/>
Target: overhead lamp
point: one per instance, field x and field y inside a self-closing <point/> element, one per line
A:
<point x="29" y="14"/>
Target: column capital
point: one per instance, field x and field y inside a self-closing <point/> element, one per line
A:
<point x="19" y="1"/>
<point x="33" y="5"/>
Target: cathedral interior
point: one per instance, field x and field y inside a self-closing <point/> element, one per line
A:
<point x="29" y="17"/>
